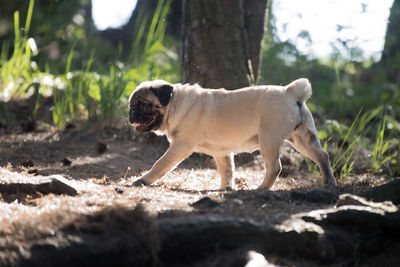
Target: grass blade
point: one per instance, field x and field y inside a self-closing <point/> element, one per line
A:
<point x="69" y="59"/>
<point x="16" y="26"/>
<point x="29" y="16"/>
<point x="154" y="22"/>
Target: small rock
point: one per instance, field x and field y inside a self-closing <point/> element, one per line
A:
<point x="66" y="161"/>
<point x="145" y="199"/>
<point x="28" y="125"/>
<point x="101" y="147"/>
<point x="55" y="184"/>
<point x="69" y="126"/>
<point x="138" y="182"/>
<point x="205" y="202"/>
<point x="33" y="172"/>
<point x="28" y="163"/>
<point x="237" y="201"/>
<point x="59" y="185"/>
<point x="119" y="190"/>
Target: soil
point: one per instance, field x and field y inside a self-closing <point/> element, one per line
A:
<point x="103" y="163"/>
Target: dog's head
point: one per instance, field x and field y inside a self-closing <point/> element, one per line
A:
<point x="148" y="104"/>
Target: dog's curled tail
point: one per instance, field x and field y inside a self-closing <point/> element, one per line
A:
<point x="300" y="89"/>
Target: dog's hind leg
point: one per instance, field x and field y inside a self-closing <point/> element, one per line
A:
<point x="305" y="140"/>
<point x="225" y="170"/>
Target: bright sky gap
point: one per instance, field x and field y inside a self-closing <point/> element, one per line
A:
<point x="330" y="23"/>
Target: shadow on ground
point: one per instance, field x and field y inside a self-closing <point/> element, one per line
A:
<point x="354" y="232"/>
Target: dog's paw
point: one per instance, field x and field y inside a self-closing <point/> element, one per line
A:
<point x="225" y="188"/>
<point x="330" y="182"/>
<point x="139" y="182"/>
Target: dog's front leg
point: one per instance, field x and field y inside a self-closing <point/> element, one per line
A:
<point x="175" y="154"/>
<point x="225" y="170"/>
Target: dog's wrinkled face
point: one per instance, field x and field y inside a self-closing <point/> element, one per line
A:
<point x="148" y="103"/>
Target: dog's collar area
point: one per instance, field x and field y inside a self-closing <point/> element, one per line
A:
<point x="172" y="96"/>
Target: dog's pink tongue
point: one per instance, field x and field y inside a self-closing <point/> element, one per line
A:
<point x="135" y="124"/>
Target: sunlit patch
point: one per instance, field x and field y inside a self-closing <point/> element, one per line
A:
<point x="111" y="14"/>
<point x="360" y="24"/>
<point x="256" y="259"/>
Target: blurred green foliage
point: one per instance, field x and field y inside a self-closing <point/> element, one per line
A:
<point x="341" y="87"/>
<point x="87" y="78"/>
<point x="355" y="92"/>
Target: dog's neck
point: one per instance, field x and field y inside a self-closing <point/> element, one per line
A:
<point x="162" y="130"/>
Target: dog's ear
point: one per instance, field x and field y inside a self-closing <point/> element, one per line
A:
<point x="163" y="93"/>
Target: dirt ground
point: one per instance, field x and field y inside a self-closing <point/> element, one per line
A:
<point x="102" y="164"/>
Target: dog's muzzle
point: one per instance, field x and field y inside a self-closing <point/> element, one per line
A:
<point x="141" y="121"/>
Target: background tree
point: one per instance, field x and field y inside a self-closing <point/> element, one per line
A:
<point x="391" y="51"/>
<point x="221" y="42"/>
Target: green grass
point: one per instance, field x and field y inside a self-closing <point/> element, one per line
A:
<point x="111" y="90"/>
<point x="345" y="143"/>
<point x="83" y="94"/>
<point x="17" y="73"/>
<point x="379" y="153"/>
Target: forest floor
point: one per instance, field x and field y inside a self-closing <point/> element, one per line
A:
<point x="101" y="165"/>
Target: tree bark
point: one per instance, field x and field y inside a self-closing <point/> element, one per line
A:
<point x="255" y="18"/>
<point x="391" y="52"/>
<point x="221" y="42"/>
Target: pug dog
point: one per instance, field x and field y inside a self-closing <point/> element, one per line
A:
<point x="219" y="123"/>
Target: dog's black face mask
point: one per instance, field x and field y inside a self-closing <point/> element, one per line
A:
<point x="144" y="114"/>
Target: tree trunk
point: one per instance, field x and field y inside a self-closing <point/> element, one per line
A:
<point x="391" y="51"/>
<point x="221" y="42"/>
